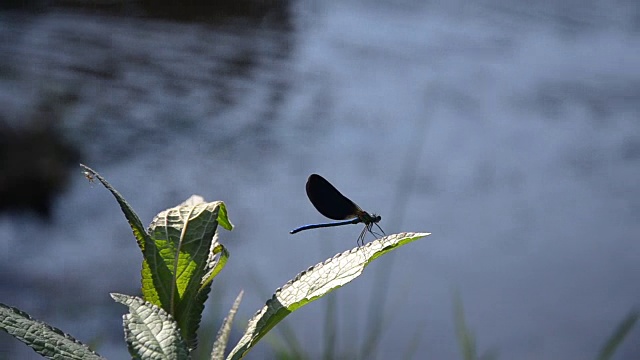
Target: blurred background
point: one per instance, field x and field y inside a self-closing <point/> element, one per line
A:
<point x="509" y="130"/>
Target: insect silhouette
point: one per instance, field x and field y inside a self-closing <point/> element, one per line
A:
<point x="333" y="205"/>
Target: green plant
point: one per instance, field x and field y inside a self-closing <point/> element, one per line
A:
<point x="615" y="339"/>
<point x="181" y="257"/>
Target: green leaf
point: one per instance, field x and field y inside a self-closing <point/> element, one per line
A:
<point x="180" y="255"/>
<point x="151" y="333"/>
<point x="46" y="340"/>
<point x="217" y="353"/>
<point x="314" y="283"/>
<point x="218" y="257"/>
<point x="182" y="259"/>
<point x="223" y="218"/>
<point x="618" y="335"/>
<point x="134" y="221"/>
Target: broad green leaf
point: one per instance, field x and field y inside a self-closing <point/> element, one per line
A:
<point x="133" y="219"/>
<point x="314" y="283"/>
<point x="182" y="259"/>
<point x="46" y="340"/>
<point x="217" y="353"/>
<point x="616" y="338"/>
<point x="151" y="333"/>
<point x="145" y="243"/>
<point x="180" y="255"/>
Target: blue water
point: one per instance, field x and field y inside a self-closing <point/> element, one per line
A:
<point x="508" y="131"/>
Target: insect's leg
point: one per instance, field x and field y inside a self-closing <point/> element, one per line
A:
<point x="363" y="234"/>
<point x="383" y="233"/>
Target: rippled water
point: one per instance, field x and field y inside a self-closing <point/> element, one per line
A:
<point x="508" y="131"/>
